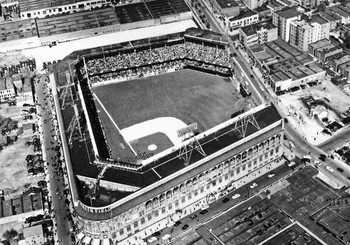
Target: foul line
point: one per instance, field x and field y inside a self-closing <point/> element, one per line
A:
<point x="115" y="125"/>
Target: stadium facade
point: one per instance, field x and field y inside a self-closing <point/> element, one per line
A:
<point x="153" y="193"/>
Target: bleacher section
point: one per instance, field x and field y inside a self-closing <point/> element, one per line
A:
<point x="132" y="13"/>
<point x="160" y="8"/>
<point x="76" y="22"/>
<point x="17" y="30"/>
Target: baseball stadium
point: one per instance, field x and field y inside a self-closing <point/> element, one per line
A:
<point x="150" y="133"/>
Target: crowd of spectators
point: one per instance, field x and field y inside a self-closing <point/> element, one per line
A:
<point x="192" y="54"/>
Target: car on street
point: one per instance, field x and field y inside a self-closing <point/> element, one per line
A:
<point x="317" y="162"/>
<point x="184" y="227"/>
<point x="340" y="170"/>
<point x="291" y="164"/>
<point x="203" y="211"/>
<point x="329" y="168"/>
<point x="253" y="185"/>
<point x="271" y="175"/>
<point x="177" y="223"/>
<point x="322" y="157"/>
<point x="307" y="157"/>
<point x="291" y="144"/>
<point x="236" y="196"/>
<point x="225" y="200"/>
<point x="193" y="216"/>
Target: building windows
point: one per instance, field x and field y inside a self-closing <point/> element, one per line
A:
<point x="170" y="206"/>
<point x="149" y="217"/>
<point x="183" y="199"/>
<point x="156" y="213"/>
<point x="136" y="224"/>
<point x="176" y="203"/>
<point x="163" y="210"/>
<point x="142" y="221"/>
<point x="121" y="232"/>
<point x="128" y="228"/>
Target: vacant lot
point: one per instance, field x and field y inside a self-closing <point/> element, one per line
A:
<point x="307" y="126"/>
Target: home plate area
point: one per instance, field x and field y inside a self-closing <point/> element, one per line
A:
<point x="150" y="145"/>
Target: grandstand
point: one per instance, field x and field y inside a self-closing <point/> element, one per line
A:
<point x="180" y="79"/>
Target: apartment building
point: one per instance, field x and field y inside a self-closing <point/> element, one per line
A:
<point x="307" y="30"/>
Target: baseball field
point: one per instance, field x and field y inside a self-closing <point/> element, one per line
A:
<point x="185" y="96"/>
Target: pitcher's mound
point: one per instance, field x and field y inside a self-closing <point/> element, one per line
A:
<point x="152" y="147"/>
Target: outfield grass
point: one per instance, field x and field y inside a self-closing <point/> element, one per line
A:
<point x="188" y="95"/>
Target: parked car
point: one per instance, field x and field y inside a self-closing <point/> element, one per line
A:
<point x="193" y="216"/>
<point x="184" y="227"/>
<point x="329" y="168"/>
<point x="203" y="211"/>
<point x="340" y="170"/>
<point x="177" y="223"/>
<point x="236" y="196"/>
<point x="225" y="200"/>
<point x="271" y="175"/>
<point x="253" y="185"/>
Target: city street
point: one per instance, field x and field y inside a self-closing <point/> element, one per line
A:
<point x="261" y="96"/>
<point x="223" y="204"/>
<point x="55" y="182"/>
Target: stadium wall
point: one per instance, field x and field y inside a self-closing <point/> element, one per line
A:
<point x="190" y="189"/>
<point x="108" y="184"/>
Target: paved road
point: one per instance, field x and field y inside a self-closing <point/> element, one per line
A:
<point x="262" y="96"/>
<point x="218" y="208"/>
<point x="56" y="184"/>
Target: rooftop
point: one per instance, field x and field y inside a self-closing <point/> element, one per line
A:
<point x="244" y="14"/>
<point x="328" y="15"/>
<point x="277" y="51"/>
<point x="320" y="43"/>
<point x="76" y="21"/>
<point x="317" y="18"/>
<point x="33" y="231"/>
<point x="254" y="28"/>
<point x="290" y="12"/>
<point x="15" y="30"/>
<point x="227" y="3"/>
<point x="274" y="4"/>
<point x="29" y="5"/>
<point x="289" y="69"/>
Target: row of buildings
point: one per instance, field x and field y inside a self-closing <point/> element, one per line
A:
<point x="52" y="22"/>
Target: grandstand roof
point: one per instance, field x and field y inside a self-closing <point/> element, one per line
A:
<point x="172" y="164"/>
<point x="76" y="21"/>
<point x="29" y="5"/>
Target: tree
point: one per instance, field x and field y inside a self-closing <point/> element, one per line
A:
<point x="7" y="124"/>
<point x="9" y="235"/>
<point x="321" y="7"/>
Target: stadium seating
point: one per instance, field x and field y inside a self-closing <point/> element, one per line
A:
<point x="155" y="60"/>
